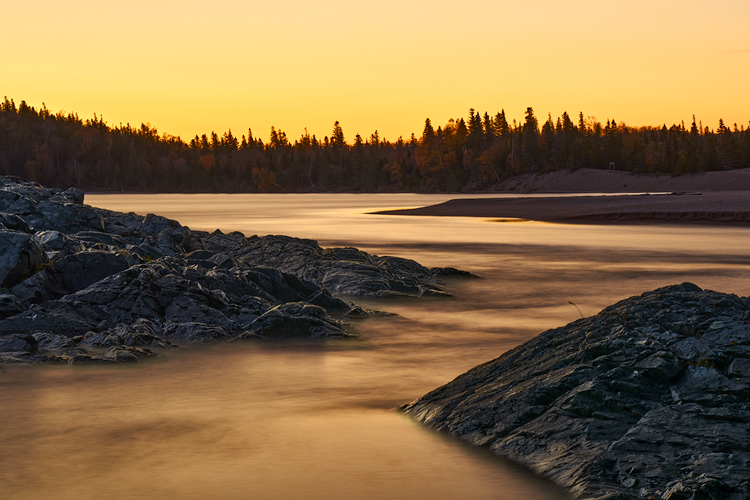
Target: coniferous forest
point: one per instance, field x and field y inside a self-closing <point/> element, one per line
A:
<point x="463" y="155"/>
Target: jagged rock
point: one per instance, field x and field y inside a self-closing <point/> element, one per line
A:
<point x="183" y="302"/>
<point x="11" y="305"/>
<point x="126" y="354"/>
<point x="141" y="333"/>
<point x="295" y="319"/>
<point x="89" y="284"/>
<point x="73" y="195"/>
<point x="343" y="271"/>
<point x="14" y="222"/>
<point x="21" y="255"/>
<point x="647" y="399"/>
<point x="59" y="242"/>
<point x="43" y="208"/>
<point x="70" y="274"/>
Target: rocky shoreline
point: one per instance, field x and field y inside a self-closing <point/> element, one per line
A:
<point x="649" y="399"/>
<point x="83" y="284"/>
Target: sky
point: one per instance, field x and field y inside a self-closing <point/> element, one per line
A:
<point x="193" y="67"/>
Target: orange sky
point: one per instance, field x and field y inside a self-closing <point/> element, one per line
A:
<point x="191" y="67"/>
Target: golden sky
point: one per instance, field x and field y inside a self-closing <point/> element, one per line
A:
<point x="191" y="67"/>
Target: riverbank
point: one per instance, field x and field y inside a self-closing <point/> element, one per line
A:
<point x="589" y="180"/>
<point x="715" y="207"/>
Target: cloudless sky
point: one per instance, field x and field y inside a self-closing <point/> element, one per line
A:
<point x="189" y="67"/>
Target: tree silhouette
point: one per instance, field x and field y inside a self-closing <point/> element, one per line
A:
<point x="61" y="149"/>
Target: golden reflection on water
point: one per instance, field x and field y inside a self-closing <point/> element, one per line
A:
<point x="233" y="421"/>
<point x="305" y="420"/>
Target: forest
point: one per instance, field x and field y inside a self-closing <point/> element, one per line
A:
<point x="464" y="155"/>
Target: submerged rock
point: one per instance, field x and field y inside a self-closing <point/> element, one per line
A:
<point x="648" y="399"/>
<point x="81" y="284"/>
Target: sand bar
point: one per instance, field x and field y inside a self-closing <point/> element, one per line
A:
<point x="718" y="207"/>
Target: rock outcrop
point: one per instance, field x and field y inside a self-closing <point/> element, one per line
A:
<point x="648" y="399"/>
<point x="78" y="283"/>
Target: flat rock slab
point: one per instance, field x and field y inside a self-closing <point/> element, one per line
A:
<point x="648" y="399"/>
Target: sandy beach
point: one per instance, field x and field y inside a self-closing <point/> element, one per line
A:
<point x="714" y="207"/>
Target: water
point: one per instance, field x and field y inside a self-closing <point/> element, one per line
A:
<point x="305" y="420"/>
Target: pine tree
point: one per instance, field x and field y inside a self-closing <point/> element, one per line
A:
<point x="337" y="136"/>
<point x="531" y="147"/>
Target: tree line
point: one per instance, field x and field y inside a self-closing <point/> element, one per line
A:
<point x="466" y="155"/>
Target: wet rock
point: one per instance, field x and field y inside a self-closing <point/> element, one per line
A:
<point x="126" y="354"/>
<point x="83" y="284"/>
<point x="141" y="333"/>
<point x="343" y="271"/>
<point x="170" y="301"/>
<point x="295" y="319"/>
<point x="647" y="399"/>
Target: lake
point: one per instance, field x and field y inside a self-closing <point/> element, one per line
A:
<point x="316" y="420"/>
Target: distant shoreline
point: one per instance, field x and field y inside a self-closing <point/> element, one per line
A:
<point x="718" y="207"/>
<point x="589" y="180"/>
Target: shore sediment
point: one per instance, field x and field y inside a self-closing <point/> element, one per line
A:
<point x="718" y="207"/>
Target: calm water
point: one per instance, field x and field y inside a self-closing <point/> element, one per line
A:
<point x="315" y="421"/>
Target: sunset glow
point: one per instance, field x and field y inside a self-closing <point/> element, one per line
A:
<point x="189" y="68"/>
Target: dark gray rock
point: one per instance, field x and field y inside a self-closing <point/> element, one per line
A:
<point x="71" y="218"/>
<point x="70" y="274"/>
<point x="647" y="399"/>
<point x="21" y="255"/>
<point x="46" y="209"/>
<point x="11" y="305"/>
<point x="73" y="195"/>
<point x="14" y="222"/>
<point x="141" y="333"/>
<point x="96" y="285"/>
<point x="168" y="301"/>
<point x="126" y="354"/>
<point x="59" y="242"/>
<point x="295" y="319"/>
<point x="347" y="272"/>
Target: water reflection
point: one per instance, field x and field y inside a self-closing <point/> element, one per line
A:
<point x="235" y="421"/>
<point x="302" y="420"/>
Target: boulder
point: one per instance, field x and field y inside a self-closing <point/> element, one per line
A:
<point x="648" y="399"/>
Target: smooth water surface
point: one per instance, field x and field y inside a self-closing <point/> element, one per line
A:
<point x="305" y="420"/>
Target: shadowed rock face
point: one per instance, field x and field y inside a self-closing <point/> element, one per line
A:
<point x="84" y="284"/>
<point x="648" y="399"/>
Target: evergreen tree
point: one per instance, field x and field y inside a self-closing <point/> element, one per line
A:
<point x="337" y="136"/>
<point x="530" y="136"/>
<point x="428" y="133"/>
